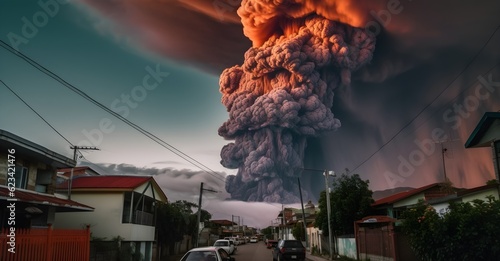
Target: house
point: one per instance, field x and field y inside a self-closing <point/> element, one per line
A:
<point x="29" y="171"/>
<point x="393" y="206"/>
<point x="28" y="205"/>
<point x="487" y="134"/>
<point x="223" y="227"/>
<point x="290" y="217"/>
<point x="124" y="208"/>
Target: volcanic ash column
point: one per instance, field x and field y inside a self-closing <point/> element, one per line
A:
<point x="283" y="94"/>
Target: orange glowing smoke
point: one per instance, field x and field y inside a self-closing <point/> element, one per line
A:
<point x="283" y="92"/>
<point x="264" y="19"/>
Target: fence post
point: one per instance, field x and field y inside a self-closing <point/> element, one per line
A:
<point x="49" y="243"/>
<point x="87" y="248"/>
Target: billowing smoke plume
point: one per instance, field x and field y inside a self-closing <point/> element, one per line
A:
<point x="283" y="93"/>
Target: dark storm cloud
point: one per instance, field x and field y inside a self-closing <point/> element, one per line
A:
<point x="187" y="31"/>
<point x="422" y="46"/>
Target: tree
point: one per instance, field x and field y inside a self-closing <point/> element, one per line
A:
<point x="350" y="200"/>
<point x="467" y="231"/>
<point x="174" y="220"/>
<point x="298" y="231"/>
<point x="268" y="232"/>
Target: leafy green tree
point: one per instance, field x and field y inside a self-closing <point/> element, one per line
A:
<point x="298" y="231"/>
<point x="268" y="232"/>
<point x="174" y="220"/>
<point x="350" y="200"/>
<point x="467" y="231"/>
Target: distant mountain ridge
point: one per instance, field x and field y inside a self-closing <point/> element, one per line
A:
<point x="389" y="192"/>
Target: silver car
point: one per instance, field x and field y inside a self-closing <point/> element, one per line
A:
<point x="227" y="245"/>
<point x="207" y="254"/>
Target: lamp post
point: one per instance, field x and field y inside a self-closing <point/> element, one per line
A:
<point x="327" y="173"/>
<point x="328" y="210"/>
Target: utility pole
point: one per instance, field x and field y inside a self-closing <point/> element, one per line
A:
<point x="303" y="214"/>
<point x="443" y="161"/>
<point x="199" y="213"/>
<point x="75" y="148"/>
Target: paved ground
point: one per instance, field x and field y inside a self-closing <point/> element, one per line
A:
<point x="310" y="257"/>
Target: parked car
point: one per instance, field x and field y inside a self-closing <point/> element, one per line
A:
<point x="254" y="240"/>
<point x="227" y="245"/>
<point x="234" y="239"/>
<point x="289" y="250"/>
<point x="207" y="254"/>
<point x="271" y="243"/>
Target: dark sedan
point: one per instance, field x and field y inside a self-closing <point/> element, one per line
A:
<point x="289" y="250"/>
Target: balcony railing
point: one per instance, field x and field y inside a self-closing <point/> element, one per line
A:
<point x="143" y="218"/>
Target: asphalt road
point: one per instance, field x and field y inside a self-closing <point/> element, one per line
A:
<point x="253" y="252"/>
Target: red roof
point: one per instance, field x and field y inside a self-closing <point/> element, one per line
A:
<point x="222" y="222"/>
<point x="402" y="195"/>
<point x="106" y="182"/>
<point x="43" y="199"/>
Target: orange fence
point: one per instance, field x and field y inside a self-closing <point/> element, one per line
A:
<point x="45" y="244"/>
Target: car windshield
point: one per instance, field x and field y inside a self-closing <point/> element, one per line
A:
<point x="200" y="256"/>
<point x="221" y="243"/>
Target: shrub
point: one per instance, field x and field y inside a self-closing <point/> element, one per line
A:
<point x="467" y="231"/>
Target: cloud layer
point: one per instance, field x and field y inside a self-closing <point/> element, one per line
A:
<point x="423" y="61"/>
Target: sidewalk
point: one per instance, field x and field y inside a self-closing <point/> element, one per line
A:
<point x="310" y="257"/>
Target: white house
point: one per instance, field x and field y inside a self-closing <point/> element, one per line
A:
<point x="124" y="206"/>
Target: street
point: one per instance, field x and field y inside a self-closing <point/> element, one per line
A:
<point x="253" y="252"/>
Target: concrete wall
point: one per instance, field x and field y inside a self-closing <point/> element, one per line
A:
<point x="106" y="220"/>
<point x="347" y="247"/>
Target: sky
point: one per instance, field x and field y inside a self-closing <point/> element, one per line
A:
<point x="433" y="74"/>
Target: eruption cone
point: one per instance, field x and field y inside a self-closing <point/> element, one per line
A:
<point x="283" y="93"/>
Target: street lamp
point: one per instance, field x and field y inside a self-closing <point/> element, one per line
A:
<point x="328" y="209"/>
<point x="327" y="173"/>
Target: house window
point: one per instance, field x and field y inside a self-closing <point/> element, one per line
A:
<point x="127" y="206"/>
<point x="138" y="209"/>
<point x="21" y="176"/>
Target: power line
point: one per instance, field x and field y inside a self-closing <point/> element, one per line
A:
<point x="38" y="114"/>
<point x="148" y="134"/>
<point x="433" y="100"/>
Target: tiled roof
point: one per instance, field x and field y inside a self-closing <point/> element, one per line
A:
<point x="106" y="182"/>
<point x="402" y="195"/>
<point x="43" y="199"/>
<point x="222" y="222"/>
<point x="477" y="189"/>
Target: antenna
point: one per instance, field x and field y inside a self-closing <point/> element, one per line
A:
<point x="443" y="151"/>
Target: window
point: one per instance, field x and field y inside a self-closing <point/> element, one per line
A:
<point x="21" y="177"/>
<point x="138" y="209"/>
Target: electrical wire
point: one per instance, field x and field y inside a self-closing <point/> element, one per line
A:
<point x="148" y="134"/>
<point x="38" y="114"/>
<point x="471" y="61"/>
